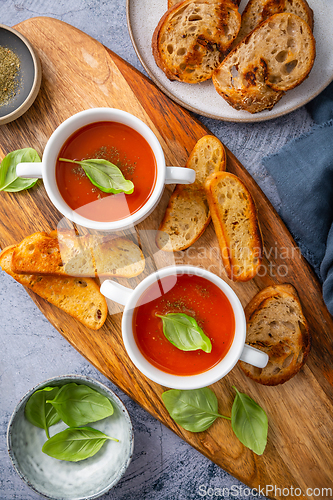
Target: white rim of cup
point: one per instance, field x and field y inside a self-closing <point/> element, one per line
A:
<point x="69" y="127"/>
<point x="184" y="382"/>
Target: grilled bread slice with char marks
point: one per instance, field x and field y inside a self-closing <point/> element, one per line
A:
<point x="275" y="57"/>
<point x="277" y="326"/>
<point x="191" y="38"/>
<point x="257" y="11"/>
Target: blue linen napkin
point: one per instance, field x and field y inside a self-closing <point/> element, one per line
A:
<point x="303" y="173"/>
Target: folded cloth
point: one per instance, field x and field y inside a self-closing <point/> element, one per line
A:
<point x="303" y="173"/>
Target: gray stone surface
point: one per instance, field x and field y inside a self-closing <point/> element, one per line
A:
<point x="31" y="350"/>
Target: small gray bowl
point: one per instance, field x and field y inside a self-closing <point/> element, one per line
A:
<point x="29" y="76"/>
<point x="61" y="480"/>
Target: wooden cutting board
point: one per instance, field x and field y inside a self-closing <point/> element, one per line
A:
<point x="79" y="73"/>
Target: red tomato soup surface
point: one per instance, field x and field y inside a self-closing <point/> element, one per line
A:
<point x="196" y="297"/>
<point x="122" y="146"/>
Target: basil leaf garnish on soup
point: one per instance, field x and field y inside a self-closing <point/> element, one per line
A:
<point x="104" y="175"/>
<point x="75" y="444"/>
<point x="79" y="404"/>
<point x="184" y="332"/>
<point x="39" y="412"/>
<point x="9" y="181"/>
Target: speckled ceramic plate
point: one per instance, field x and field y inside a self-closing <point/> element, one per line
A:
<point x="60" y="480"/>
<point x="143" y="17"/>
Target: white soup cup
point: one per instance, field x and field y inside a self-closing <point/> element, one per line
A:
<point x="47" y="168"/>
<point x="237" y="351"/>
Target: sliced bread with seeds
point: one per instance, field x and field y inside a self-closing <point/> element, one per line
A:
<point x="257" y="11"/>
<point x="275" y="57"/>
<point x="277" y="326"/>
<point x="187" y="214"/>
<point x="79" y="297"/>
<point x="191" y="38"/>
<point x="236" y="225"/>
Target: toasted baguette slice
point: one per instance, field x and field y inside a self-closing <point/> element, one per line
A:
<point x="118" y="257"/>
<point x="79" y="297"/>
<point x="275" y="57"/>
<point x="64" y="254"/>
<point x="187" y="214"/>
<point x="39" y="253"/>
<point x="191" y="38"/>
<point x="277" y="326"/>
<point x="257" y="11"/>
<point x="236" y="225"/>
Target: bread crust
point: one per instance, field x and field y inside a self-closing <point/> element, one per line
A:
<point x="78" y="297"/>
<point x="239" y="265"/>
<point x="257" y="11"/>
<point x="187" y="214"/>
<point x="172" y="3"/>
<point x="287" y="350"/>
<point x="195" y="54"/>
<point x="275" y="57"/>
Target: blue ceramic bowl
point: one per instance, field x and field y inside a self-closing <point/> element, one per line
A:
<point x="61" y="480"/>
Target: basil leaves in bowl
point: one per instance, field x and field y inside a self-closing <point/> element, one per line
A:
<point x="70" y="437"/>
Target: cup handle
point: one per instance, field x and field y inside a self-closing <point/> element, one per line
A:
<point x="179" y="175"/>
<point x="116" y="292"/>
<point x="29" y="170"/>
<point x="254" y="356"/>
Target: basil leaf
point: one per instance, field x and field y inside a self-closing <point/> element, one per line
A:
<point x="79" y="405"/>
<point x="39" y="412"/>
<point x="105" y="175"/>
<point x="249" y="422"/>
<point x="194" y="410"/>
<point x="75" y="444"/>
<point x="184" y="332"/>
<point x="9" y="181"/>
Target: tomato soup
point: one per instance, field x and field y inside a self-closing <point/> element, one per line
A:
<point x="197" y="297"/>
<point x="122" y="146"/>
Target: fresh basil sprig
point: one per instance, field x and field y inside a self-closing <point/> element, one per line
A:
<point x="249" y="423"/>
<point x="184" y="332"/>
<point x="75" y="444"/>
<point x="78" y="404"/>
<point x="105" y="175"/>
<point x="9" y="181"/>
<point x="196" y="410"/>
<point x="39" y="412"/>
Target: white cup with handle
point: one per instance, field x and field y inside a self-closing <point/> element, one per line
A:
<point x="237" y="351"/>
<point x="46" y="170"/>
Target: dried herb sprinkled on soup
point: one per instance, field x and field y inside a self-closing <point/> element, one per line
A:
<point x="124" y="148"/>
<point x="9" y="67"/>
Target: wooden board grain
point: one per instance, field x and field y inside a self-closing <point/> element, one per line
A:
<point x="79" y="73"/>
